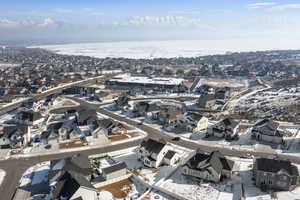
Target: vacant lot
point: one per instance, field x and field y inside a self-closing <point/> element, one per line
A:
<point x="119" y="189"/>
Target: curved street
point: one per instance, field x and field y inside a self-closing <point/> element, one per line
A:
<point x="14" y="168"/>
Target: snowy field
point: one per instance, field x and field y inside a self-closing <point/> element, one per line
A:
<point x="166" y="49"/>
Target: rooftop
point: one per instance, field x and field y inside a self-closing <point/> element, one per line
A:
<point x="126" y="78"/>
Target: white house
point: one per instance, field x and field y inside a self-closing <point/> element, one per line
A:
<point x="154" y="154"/>
<point x="226" y="128"/>
<point x="211" y="167"/>
<point x="267" y="130"/>
<point x="193" y="122"/>
<point x="114" y="171"/>
<point x="85" y="193"/>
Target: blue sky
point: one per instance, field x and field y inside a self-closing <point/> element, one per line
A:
<point x="50" y="21"/>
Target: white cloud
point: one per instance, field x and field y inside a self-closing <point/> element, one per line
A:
<point x="7" y="24"/>
<point x="164" y="21"/>
<point x="155" y="20"/>
<point x="63" y="10"/>
<point x="285" y="7"/>
<point x="47" y="22"/>
<point x="261" y="4"/>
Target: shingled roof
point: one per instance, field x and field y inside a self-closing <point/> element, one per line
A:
<point x="153" y="145"/>
<point x="215" y="160"/>
<point x="274" y="166"/>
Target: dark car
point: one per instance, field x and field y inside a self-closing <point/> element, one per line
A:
<point x="176" y="139"/>
<point x="47" y="146"/>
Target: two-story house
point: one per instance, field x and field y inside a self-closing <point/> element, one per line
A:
<point x="155" y="153"/>
<point x="267" y="130"/>
<point x="211" y="167"/>
<point x="226" y="128"/>
<point x="275" y="174"/>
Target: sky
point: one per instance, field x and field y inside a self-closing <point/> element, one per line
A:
<point x="65" y="21"/>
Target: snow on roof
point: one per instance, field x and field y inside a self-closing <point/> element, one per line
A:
<point x="126" y="78"/>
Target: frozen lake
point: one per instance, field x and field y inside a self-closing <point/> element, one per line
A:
<point x="169" y="49"/>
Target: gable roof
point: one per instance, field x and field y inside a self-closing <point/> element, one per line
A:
<point x="114" y="168"/>
<point x="215" y="160"/>
<point x="86" y="114"/>
<point x="195" y="116"/>
<point x="9" y="129"/>
<point x="68" y="184"/>
<point x="274" y="166"/>
<point x="267" y="127"/>
<point x="152" y="146"/>
<point x="169" y="155"/>
<point x="78" y="163"/>
<point x="105" y="123"/>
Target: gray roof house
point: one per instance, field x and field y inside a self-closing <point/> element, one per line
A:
<point x="72" y="186"/>
<point x="122" y="101"/>
<point x="156" y="153"/>
<point x="114" y="171"/>
<point x="223" y="93"/>
<point x="275" y="174"/>
<point x="13" y="135"/>
<point x="28" y="117"/>
<point x="107" y="126"/>
<point x="69" y="175"/>
<point x="85" y="116"/>
<point x="226" y="128"/>
<point x="205" y="99"/>
<point x="211" y="167"/>
<point x="267" y="130"/>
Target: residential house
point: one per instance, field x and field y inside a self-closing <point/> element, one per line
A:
<point x="226" y="128"/>
<point x="171" y="158"/>
<point x="211" y="167"/>
<point x="13" y="135"/>
<point x="85" y="117"/>
<point x="72" y="90"/>
<point x="44" y="137"/>
<point x="107" y="126"/>
<point x="168" y="116"/>
<point x="69" y="178"/>
<point x="122" y="101"/>
<point x="29" y="117"/>
<point x="142" y="108"/>
<point x="223" y="93"/>
<point x="71" y="185"/>
<point x="192" y="122"/>
<point x="114" y="171"/>
<point x="206" y="100"/>
<point x="267" y="130"/>
<point x="69" y="130"/>
<point x="155" y="153"/>
<point x="275" y="174"/>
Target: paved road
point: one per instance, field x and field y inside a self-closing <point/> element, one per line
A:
<point x="15" y="168"/>
<point x="204" y="146"/>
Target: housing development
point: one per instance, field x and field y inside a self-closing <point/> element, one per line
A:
<point x="211" y="127"/>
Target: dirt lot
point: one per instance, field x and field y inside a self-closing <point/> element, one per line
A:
<point x="16" y="151"/>
<point x="115" y="138"/>
<point x="72" y="144"/>
<point x="119" y="189"/>
<point x="68" y="103"/>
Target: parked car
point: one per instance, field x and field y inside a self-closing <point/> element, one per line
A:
<point x="175" y="138"/>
